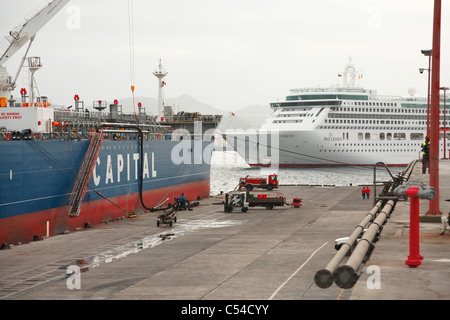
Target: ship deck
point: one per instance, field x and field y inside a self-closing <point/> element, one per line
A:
<point x="213" y="255"/>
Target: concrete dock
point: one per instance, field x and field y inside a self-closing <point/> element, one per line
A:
<point x="212" y="255"/>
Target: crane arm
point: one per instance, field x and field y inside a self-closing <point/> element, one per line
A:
<point x="17" y="37"/>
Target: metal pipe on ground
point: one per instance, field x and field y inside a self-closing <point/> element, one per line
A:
<point x="407" y="172"/>
<point x="346" y="275"/>
<point x="324" y="278"/>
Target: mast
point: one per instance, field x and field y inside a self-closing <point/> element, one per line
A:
<point x="160" y="73"/>
<point x="349" y="71"/>
<point x="34" y="64"/>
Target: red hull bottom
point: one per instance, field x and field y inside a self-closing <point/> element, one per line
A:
<point x="36" y="225"/>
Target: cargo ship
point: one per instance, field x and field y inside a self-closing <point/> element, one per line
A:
<point x="69" y="168"/>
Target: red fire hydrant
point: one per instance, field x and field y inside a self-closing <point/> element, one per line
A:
<point x="414" y="194"/>
<point x="414" y="258"/>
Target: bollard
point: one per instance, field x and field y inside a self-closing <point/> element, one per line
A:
<point x="414" y="194"/>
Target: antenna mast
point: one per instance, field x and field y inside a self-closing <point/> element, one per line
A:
<point x="349" y="71"/>
<point x="160" y="73"/>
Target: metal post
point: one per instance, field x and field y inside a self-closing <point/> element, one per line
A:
<point x="434" y="129"/>
<point x="428" y="98"/>
<point x="445" y="124"/>
<point x="445" y="129"/>
<point x="428" y="53"/>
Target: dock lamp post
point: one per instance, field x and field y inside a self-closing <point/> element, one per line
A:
<point x="421" y="70"/>
<point x="427" y="53"/>
<point x="445" y="125"/>
<point x="434" y="108"/>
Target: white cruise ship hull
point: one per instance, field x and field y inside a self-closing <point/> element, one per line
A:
<point x="320" y="148"/>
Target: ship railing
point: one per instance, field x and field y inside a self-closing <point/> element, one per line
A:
<point x="6" y="42"/>
<point x="102" y="116"/>
<point x="95" y="116"/>
<point x="113" y="135"/>
<point x="132" y="135"/>
<point x="83" y="135"/>
<point x="203" y="118"/>
<point x="390" y="97"/>
<point x="5" y="136"/>
<point x="329" y="89"/>
<point x="15" y="135"/>
<point x="66" y="115"/>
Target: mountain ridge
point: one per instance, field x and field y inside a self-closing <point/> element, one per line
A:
<point x="253" y="115"/>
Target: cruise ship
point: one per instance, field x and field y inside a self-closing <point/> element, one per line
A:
<point x="339" y="126"/>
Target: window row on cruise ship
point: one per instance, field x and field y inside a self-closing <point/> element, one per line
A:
<point x="374" y="147"/>
<point x="378" y="110"/>
<point x="288" y="115"/>
<point x="364" y="127"/>
<point x="410" y="109"/>
<point x="376" y="144"/>
<point x="295" y="109"/>
<point x="369" y="150"/>
<point x="371" y="104"/>
<point x="381" y="122"/>
<point x="389" y="136"/>
<point x="327" y="96"/>
<point x="379" y="148"/>
<point x="376" y="116"/>
<point x="340" y="121"/>
<point x="287" y="121"/>
<point x="305" y="103"/>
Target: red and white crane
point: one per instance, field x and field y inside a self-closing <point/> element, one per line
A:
<point x="19" y="36"/>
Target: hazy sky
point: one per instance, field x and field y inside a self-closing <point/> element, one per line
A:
<point x="227" y="53"/>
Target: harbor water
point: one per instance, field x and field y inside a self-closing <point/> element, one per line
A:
<point x="228" y="166"/>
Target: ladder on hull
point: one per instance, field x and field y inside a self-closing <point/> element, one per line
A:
<point x="85" y="173"/>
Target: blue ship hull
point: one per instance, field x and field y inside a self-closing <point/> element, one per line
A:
<point x="37" y="179"/>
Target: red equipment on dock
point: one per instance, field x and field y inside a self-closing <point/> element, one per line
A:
<point x="268" y="183"/>
<point x="297" y="202"/>
<point x="244" y="200"/>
